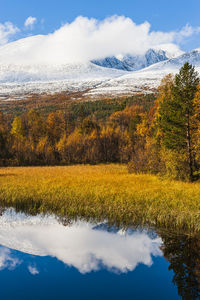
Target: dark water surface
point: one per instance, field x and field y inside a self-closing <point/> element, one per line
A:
<point x="40" y="258"/>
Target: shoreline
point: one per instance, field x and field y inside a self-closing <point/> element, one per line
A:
<point x="102" y="192"/>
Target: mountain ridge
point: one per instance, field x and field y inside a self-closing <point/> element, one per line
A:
<point x="120" y="74"/>
<point x="130" y="62"/>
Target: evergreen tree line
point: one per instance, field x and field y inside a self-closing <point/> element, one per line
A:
<point x="165" y="139"/>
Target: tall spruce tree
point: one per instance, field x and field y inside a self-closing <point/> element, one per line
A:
<point x="176" y="114"/>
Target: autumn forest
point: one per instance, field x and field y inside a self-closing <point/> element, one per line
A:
<point x="160" y="136"/>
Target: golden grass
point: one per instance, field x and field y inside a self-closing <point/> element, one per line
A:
<point x="103" y="191"/>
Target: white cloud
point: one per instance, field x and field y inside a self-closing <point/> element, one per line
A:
<point x="189" y="30"/>
<point x="33" y="270"/>
<point x="30" y="21"/>
<point x="172" y="50"/>
<point x="186" y="32"/>
<point x="6" y="31"/>
<point x="85" y="39"/>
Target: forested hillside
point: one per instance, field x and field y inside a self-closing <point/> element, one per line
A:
<point x="161" y="136"/>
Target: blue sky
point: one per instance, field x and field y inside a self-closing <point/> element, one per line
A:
<point x="162" y="15"/>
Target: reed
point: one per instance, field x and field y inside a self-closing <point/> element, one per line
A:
<point x="102" y="192"/>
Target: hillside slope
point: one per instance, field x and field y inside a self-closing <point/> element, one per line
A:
<point x="22" y="71"/>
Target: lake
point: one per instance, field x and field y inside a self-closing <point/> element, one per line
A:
<point x="45" y="257"/>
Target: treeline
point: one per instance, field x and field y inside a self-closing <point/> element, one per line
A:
<point x="161" y="138"/>
<point x="32" y="139"/>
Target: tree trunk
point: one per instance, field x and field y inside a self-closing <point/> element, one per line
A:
<point x="189" y="150"/>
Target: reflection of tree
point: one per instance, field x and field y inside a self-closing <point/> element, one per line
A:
<point x="2" y="210"/>
<point x="183" y="254"/>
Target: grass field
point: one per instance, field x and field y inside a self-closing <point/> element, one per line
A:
<point x="102" y="192"/>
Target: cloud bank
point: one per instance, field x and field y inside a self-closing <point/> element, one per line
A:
<point x="85" y="39"/>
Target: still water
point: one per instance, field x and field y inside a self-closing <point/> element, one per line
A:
<point x="42" y="258"/>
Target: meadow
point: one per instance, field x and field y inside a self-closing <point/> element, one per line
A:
<point x="102" y="192"/>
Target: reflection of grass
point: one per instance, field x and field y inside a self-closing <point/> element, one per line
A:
<point x="104" y="191"/>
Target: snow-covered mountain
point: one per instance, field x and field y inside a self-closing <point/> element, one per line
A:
<point x="147" y="78"/>
<point x="192" y="57"/>
<point x="21" y="73"/>
<point x="112" y="62"/>
<point x="132" y="63"/>
<point x="53" y="72"/>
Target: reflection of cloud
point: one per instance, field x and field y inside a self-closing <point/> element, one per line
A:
<point x="78" y="245"/>
<point x="7" y="260"/>
<point x="33" y="270"/>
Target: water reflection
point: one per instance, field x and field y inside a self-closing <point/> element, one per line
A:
<point x="7" y="260"/>
<point x="93" y="247"/>
<point x="183" y="253"/>
<point x="81" y="245"/>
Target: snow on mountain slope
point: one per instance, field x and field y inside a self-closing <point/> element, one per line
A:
<point x="112" y="62"/>
<point x="43" y="72"/>
<point x="22" y="72"/>
<point x="151" y="57"/>
<point x="132" y="63"/>
<point x="20" y="79"/>
<point x="149" y="77"/>
<point x="192" y="57"/>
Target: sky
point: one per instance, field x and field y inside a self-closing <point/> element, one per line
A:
<point x="143" y="22"/>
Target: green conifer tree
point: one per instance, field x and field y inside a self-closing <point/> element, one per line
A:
<point x="176" y="114"/>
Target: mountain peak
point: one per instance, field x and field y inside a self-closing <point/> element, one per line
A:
<point x="130" y="62"/>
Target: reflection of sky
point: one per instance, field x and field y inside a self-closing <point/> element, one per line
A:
<point x="78" y="245"/>
<point x="7" y="260"/>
